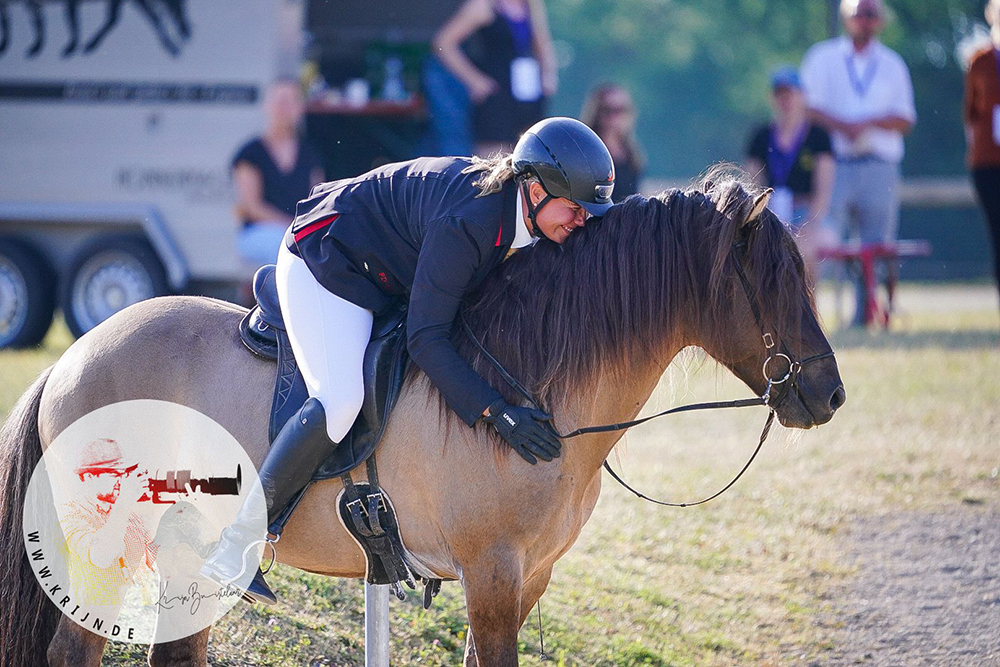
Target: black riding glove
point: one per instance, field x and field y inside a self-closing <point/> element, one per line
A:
<point x="526" y="430"/>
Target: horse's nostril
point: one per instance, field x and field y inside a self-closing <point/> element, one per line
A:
<point x="838" y="398"/>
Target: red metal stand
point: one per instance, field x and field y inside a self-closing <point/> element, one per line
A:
<point x="867" y="256"/>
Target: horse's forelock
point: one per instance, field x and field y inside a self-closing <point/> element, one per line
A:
<point x="775" y="272"/>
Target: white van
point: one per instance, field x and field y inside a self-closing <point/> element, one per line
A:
<point x="118" y="121"/>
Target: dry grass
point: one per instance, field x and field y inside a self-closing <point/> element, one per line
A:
<point x="741" y="580"/>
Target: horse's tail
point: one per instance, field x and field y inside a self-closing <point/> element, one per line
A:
<point x="28" y="621"/>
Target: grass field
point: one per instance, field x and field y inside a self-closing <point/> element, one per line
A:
<point x="742" y="580"/>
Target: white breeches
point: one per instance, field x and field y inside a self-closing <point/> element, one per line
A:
<point x="329" y="336"/>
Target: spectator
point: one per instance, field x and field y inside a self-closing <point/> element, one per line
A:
<point x="860" y="90"/>
<point x="448" y="111"/>
<point x="609" y="112"/>
<point x="272" y="173"/>
<point x="981" y="110"/>
<point x="794" y="157"/>
<point x="509" y="82"/>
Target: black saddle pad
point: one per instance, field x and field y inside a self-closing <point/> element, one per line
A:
<point x="262" y="331"/>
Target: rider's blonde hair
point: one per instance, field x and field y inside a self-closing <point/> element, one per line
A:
<point x="499" y="169"/>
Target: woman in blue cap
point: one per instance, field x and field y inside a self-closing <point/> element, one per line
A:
<point x="794" y="157"/>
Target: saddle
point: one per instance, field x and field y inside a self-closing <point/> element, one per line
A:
<point x="262" y="330"/>
<point x="364" y="508"/>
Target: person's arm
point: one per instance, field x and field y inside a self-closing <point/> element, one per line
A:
<point x="447" y="45"/>
<point x="105" y="545"/>
<point x="832" y="123"/>
<point x="449" y="256"/>
<point x="822" y="186"/>
<point x="250" y="204"/>
<point x="542" y="47"/>
<point x="891" y="122"/>
<point x="903" y="114"/>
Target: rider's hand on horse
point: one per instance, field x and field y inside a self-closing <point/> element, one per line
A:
<point x="525" y="429"/>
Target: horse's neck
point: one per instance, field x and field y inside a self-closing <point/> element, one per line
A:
<point x="609" y="399"/>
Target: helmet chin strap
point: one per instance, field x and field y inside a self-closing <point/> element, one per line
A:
<point x="533" y="210"/>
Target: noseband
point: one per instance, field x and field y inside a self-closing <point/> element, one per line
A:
<point x="788" y="382"/>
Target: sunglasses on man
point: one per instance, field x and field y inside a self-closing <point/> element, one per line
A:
<point x="870" y="14"/>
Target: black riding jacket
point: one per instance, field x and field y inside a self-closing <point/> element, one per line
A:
<point x="415" y="231"/>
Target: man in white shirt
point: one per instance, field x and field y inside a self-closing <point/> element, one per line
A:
<point x="860" y="90"/>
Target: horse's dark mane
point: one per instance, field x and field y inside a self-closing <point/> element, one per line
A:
<point x="556" y="315"/>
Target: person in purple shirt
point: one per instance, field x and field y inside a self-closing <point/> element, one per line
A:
<point x="794" y="157"/>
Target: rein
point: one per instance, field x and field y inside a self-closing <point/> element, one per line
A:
<point x="787" y="382"/>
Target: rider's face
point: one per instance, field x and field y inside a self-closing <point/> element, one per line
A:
<point x="559" y="217"/>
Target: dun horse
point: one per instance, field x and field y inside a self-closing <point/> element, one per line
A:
<point x="589" y="327"/>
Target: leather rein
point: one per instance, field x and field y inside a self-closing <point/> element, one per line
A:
<point x="787" y="382"/>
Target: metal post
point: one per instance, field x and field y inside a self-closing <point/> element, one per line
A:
<point x="376" y="625"/>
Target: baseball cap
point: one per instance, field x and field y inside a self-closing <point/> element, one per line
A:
<point x="785" y="77"/>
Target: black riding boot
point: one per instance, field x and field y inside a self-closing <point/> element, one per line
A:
<point x="297" y="451"/>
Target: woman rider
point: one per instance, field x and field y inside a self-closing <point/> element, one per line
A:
<point x="427" y="231"/>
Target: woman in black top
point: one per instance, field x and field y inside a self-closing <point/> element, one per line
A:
<point x="795" y="158"/>
<point x="511" y="72"/>
<point x="425" y="232"/>
<point x="272" y="172"/>
<point x="608" y="110"/>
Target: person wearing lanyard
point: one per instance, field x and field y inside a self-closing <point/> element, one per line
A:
<point x="860" y="90"/>
<point x="794" y="157"/>
<point x="510" y="70"/>
<point x="981" y="109"/>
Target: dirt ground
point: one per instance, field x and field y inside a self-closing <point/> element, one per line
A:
<point x="927" y="591"/>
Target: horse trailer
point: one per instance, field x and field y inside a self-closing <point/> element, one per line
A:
<point x="118" y="121"/>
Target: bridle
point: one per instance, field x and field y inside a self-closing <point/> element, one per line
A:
<point x="787" y="383"/>
<point x="791" y="378"/>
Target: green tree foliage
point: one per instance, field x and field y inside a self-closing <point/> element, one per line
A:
<point x="699" y="69"/>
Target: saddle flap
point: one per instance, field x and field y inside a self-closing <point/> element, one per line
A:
<point x="384" y="369"/>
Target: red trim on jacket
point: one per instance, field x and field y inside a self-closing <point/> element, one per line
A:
<point x="313" y="226"/>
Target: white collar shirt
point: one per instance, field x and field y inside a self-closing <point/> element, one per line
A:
<point x="853" y="87"/>
<point x="522" y="237"/>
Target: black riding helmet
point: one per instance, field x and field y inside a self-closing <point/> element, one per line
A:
<point x="570" y="161"/>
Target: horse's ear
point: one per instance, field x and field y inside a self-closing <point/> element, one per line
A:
<point x="759" y="204"/>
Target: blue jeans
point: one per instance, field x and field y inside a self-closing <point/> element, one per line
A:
<point x="449" y="111"/>
<point x="258" y="242"/>
<point x="865" y="202"/>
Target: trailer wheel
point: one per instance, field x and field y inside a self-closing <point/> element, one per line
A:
<point x="27" y="294"/>
<point x="107" y="275"/>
